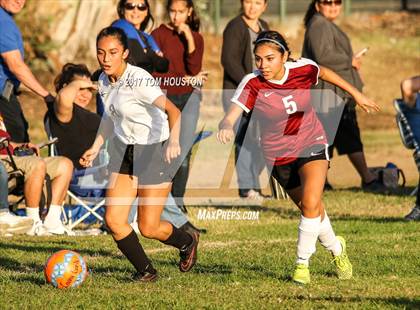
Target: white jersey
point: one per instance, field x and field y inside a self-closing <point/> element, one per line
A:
<point x="129" y="104"/>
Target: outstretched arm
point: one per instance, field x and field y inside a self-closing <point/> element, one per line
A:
<point x="364" y="102"/>
<point x="105" y="130"/>
<point x="226" y="134"/>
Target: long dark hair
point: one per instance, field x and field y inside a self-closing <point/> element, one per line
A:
<point x="310" y="12"/>
<point x="68" y="73"/>
<point x="147" y="19"/>
<point x="193" y="20"/>
<point x="275" y="39"/>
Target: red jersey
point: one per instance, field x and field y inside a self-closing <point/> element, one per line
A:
<point x="288" y="122"/>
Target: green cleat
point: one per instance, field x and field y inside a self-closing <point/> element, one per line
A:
<point x="342" y="262"/>
<point x="301" y="274"/>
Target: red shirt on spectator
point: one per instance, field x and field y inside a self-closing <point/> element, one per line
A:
<point x="181" y="63"/>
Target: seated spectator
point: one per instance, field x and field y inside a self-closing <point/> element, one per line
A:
<point x="410" y="94"/>
<point x="35" y="169"/>
<point x="75" y="126"/>
<point x="10" y="224"/>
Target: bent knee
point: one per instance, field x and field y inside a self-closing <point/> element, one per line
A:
<point x="114" y="224"/>
<point x="65" y="166"/>
<point x="148" y="231"/>
<point x="37" y="168"/>
<point x="311" y="203"/>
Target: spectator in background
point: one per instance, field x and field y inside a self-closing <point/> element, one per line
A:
<point x="35" y="168"/>
<point x="14" y="71"/>
<point x="183" y="46"/>
<point x="329" y="46"/>
<point x="237" y="61"/>
<point x="135" y="16"/>
<point x="410" y="89"/>
<point x="10" y="224"/>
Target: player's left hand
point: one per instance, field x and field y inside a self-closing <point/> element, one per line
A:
<point x="366" y="104"/>
<point x="173" y="150"/>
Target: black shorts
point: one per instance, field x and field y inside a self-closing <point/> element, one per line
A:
<point x="347" y="139"/>
<point x="143" y="161"/>
<point x="287" y="175"/>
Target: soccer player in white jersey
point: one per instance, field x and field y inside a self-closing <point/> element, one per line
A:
<point x="146" y="129"/>
<point x="293" y="140"/>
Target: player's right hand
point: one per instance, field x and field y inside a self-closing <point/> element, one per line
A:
<point x="225" y="135"/>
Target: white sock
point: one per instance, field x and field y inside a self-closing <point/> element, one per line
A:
<point x="307" y="237"/>
<point x="327" y="237"/>
<point x="33" y="213"/>
<point x="53" y="218"/>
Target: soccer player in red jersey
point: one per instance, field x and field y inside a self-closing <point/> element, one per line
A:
<point x="293" y="140"/>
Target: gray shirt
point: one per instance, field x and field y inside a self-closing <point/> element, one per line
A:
<point x="327" y="45"/>
<point x="253" y="37"/>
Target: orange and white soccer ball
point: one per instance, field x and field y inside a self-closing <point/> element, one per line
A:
<point x="65" y="269"/>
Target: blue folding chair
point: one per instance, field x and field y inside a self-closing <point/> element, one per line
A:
<point x="86" y="189"/>
<point x="408" y="122"/>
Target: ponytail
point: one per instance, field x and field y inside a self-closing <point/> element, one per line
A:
<point x="310" y="13"/>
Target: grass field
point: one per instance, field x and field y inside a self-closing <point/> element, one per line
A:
<point x="242" y="264"/>
<point x="247" y="264"/>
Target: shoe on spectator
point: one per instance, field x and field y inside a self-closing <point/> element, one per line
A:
<point x="59" y="229"/>
<point x="375" y="186"/>
<point x="253" y="195"/>
<point x="38" y="229"/>
<point x="414" y="215"/>
<point x="11" y="224"/>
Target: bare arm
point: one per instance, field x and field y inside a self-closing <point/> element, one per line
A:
<point x="105" y="130"/>
<point x="226" y="134"/>
<point x="364" y="102"/>
<point x="13" y="61"/>
<point x="66" y="96"/>
<point x="174" y="118"/>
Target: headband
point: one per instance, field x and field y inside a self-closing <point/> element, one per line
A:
<point x="272" y="41"/>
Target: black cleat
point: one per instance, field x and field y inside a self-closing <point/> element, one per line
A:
<point x="188" y="256"/>
<point x="150" y="275"/>
<point x="188" y="227"/>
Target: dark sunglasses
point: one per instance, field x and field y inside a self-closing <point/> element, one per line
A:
<point x="132" y="6"/>
<point x="326" y="2"/>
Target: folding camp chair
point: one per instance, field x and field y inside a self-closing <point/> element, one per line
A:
<point x="407" y="121"/>
<point x="16" y="178"/>
<point x="86" y="189"/>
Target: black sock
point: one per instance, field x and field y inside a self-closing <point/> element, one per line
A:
<point x="130" y="246"/>
<point x="178" y="238"/>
